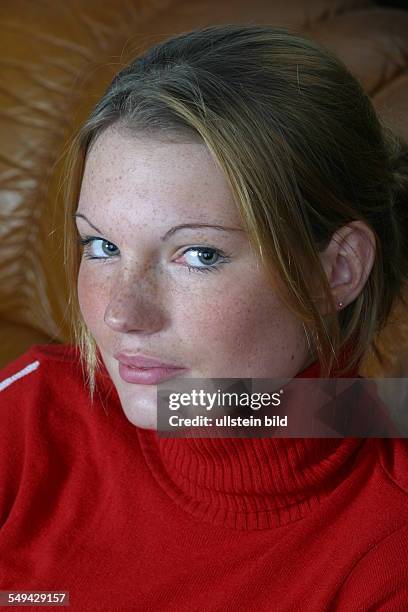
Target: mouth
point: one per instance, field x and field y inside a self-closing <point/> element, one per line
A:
<point x="148" y="376"/>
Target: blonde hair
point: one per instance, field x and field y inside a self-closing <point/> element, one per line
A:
<point x="303" y="152"/>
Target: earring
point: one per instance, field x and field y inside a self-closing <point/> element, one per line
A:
<point x="339" y="304"/>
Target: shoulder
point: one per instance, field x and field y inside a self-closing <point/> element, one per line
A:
<point x="44" y="392"/>
<point x="36" y="355"/>
<point x="49" y="379"/>
<point x="46" y="377"/>
<point x="39" y="387"/>
<point x="393" y="459"/>
<point x="48" y="423"/>
<point x="48" y="364"/>
<point x="34" y="392"/>
<point x="378" y="579"/>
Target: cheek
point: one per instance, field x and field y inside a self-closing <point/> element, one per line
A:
<point x="233" y="319"/>
<point x="243" y="332"/>
<point x="89" y="297"/>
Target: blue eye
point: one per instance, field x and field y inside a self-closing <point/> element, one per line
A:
<point x="90" y="241"/>
<point x="210" y="258"/>
<point x="205" y="256"/>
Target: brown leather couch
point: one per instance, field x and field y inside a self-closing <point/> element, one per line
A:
<point x="57" y="56"/>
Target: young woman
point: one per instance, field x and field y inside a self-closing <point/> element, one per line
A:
<point x="241" y="212"/>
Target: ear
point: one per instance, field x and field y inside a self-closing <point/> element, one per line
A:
<point x="347" y="261"/>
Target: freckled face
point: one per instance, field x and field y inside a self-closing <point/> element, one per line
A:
<point x="220" y="318"/>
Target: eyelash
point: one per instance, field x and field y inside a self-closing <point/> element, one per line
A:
<point x="88" y="240"/>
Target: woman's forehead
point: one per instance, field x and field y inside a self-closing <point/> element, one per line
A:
<point x="128" y="174"/>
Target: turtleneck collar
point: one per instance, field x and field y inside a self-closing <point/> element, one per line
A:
<point x="249" y="483"/>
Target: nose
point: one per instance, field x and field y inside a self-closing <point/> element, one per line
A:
<point x="135" y="305"/>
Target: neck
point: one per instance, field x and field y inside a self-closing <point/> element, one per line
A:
<point x="249" y="483"/>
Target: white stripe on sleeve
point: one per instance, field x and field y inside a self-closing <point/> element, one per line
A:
<point x="9" y="381"/>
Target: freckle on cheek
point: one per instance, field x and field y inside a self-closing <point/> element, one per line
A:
<point x="88" y="297"/>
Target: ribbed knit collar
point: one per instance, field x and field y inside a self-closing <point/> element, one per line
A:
<point x="250" y="483"/>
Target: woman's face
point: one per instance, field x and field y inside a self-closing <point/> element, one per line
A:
<point x="220" y="319"/>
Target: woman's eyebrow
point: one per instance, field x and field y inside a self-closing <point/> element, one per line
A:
<point x="197" y="225"/>
<point x="87" y="220"/>
<point x="174" y="229"/>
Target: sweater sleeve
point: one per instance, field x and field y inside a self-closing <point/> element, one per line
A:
<point x="17" y="391"/>
<point x="379" y="579"/>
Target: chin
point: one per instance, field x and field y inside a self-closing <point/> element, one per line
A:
<point x="144" y="421"/>
<point x="139" y="403"/>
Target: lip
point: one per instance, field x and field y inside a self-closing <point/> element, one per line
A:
<point x="147" y="376"/>
<point x="142" y="370"/>
<point x="141" y="361"/>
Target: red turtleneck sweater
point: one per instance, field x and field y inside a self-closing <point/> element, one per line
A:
<point x="125" y="520"/>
